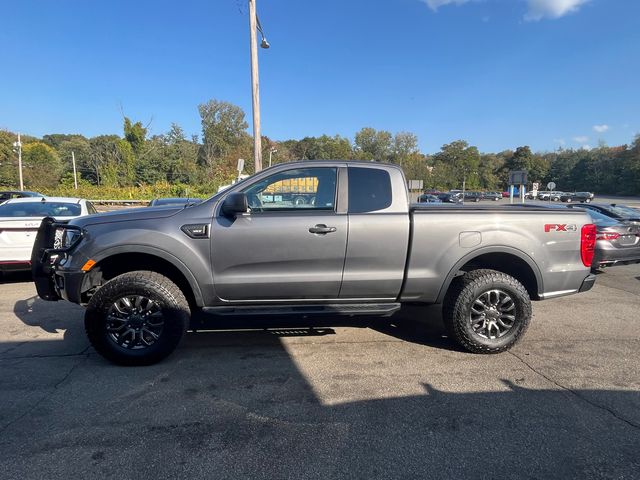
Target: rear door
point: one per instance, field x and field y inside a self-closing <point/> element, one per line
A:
<point x="290" y="246"/>
<point x="378" y="234"/>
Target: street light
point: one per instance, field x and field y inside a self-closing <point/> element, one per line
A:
<point x="254" y="27"/>
<point x="263" y="44"/>
<point x="272" y="150"/>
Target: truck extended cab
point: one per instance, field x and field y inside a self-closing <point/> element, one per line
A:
<point x="358" y="247"/>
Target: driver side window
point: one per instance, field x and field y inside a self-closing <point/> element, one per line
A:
<point x="312" y="188"/>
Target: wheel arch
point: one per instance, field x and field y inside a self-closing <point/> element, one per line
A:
<point x="504" y="259"/>
<point x="122" y="259"/>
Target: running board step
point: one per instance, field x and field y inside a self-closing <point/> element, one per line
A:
<point x="384" y="309"/>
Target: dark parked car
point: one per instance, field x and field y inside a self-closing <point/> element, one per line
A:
<point x="174" y="202"/>
<point x="617" y="243"/>
<point x="450" y="197"/>
<point x="583" y="197"/>
<point x="428" y="198"/>
<point x="621" y="213"/>
<point x="8" y="194"/>
<point x="472" y="196"/>
<point x="495" y="196"/>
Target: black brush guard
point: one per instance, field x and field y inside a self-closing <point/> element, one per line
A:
<point x="42" y="264"/>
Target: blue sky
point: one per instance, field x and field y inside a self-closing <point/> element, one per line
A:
<point x="497" y="73"/>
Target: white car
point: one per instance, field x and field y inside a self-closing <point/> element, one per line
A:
<point x="20" y="219"/>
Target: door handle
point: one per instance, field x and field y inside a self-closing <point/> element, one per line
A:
<point x="322" y="229"/>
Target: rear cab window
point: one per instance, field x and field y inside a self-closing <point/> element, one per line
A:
<point x="369" y="190"/>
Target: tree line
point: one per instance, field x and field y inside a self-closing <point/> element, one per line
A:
<point x="202" y="162"/>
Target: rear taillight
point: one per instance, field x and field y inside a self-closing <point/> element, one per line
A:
<point x="608" y="236"/>
<point x="587" y="243"/>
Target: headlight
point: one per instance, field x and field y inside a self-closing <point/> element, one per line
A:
<point x="66" y="238"/>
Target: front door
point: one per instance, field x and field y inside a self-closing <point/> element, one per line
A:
<point x="291" y="245"/>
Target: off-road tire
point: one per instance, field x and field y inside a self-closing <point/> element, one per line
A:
<point x="158" y="288"/>
<point x="456" y="310"/>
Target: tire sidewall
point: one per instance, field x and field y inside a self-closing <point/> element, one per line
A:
<point x="522" y="308"/>
<point x="175" y="316"/>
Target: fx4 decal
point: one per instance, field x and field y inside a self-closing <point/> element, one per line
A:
<point x="560" y="227"/>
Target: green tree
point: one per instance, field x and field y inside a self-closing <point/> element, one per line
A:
<point x="8" y="162"/>
<point x="456" y="163"/>
<point x="135" y="134"/>
<point x="42" y="166"/>
<point x="223" y="130"/>
<point x="372" y="144"/>
<point x="404" y="146"/>
<point x="523" y="159"/>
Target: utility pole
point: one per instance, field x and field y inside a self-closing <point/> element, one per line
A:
<point x="18" y="146"/>
<point x="75" y="173"/>
<point x="255" y="90"/>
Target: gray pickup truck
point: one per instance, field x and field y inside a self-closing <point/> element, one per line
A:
<point x="356" y="246"/>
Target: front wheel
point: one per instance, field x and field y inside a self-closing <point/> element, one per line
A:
<point x="486" y="311"/>
<point x="137" y="318"/>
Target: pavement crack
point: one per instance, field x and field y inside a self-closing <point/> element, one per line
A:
<point x="576" y="393"/>
<point x="49" y="393"/>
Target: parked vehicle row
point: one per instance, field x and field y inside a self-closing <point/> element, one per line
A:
<point x="457" y="196"/>
<point x="555" y="196"/>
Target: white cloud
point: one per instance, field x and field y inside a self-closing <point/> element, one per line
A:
<point x="601" y="128"/>
<point x="581" y="139"/>
<point x="539" y="9"/>
<point x="435" y="4"/>
<point x="586" y="147"/>
<point x="560" y="141"/>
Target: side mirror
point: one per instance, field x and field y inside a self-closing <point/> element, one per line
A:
<point x="235" y="204"/>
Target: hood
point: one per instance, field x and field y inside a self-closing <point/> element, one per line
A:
<point x="128" y="215"/>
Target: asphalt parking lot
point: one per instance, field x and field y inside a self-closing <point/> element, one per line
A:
<point x="350" y="399"/>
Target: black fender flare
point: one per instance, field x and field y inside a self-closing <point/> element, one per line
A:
<point x="156" y="252"/>
<point x="482" y="251"/>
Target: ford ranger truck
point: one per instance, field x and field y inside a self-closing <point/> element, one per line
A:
<point x="356" y="247"/>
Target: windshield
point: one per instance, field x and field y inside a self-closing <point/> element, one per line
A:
<point x="40" y="209"/>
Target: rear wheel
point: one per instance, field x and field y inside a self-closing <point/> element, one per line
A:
<point x="486" y="311"/>
<point x="137" y="318"/>
<point x="587" y="200"/>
